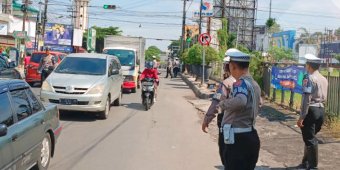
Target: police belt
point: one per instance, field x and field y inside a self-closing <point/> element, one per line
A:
<point x="316" y="105"/>
<point x="240" y="130"/>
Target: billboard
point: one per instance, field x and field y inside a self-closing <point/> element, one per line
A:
<point x="283" y="39"/>
<point x="58" y="34"/>
<point x="288" y="78"/>
<point x="329" y="50"/>
<point x="307" y="49"/>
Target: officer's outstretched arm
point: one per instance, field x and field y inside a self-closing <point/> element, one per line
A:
<point x="237" y="102"/>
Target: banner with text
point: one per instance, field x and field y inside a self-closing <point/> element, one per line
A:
<point x="288" y="78"/>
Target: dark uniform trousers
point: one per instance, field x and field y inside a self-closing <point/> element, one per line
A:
<point x="312" y="125"/>
<point x="244" y="153"/>
<point x="221" y="144"/>
<point x="44" y="75"/>
<point x="168" y="71"/>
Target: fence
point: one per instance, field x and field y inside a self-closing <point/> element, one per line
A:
<point x="293" y="100"/>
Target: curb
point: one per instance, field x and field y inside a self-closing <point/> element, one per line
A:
<point x="195" y="89"/>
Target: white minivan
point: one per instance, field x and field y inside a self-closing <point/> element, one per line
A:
<point x="85" y="82"/>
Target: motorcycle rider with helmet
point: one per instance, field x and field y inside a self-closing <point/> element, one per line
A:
<point x="150" y="72"/>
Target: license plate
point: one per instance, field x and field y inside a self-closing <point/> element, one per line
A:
<point x="148" y="83"/>
<point x="68" y="101"/>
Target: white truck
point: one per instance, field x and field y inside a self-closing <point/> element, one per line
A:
<point x="131" y="54"/>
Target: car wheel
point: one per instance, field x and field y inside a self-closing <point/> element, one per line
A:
<point x="134" y="90"/>
<point x="31" y="84"/>
<point x="105" y="114"/>
<point x="118" y="101"/>
<point x="45" y="153"/>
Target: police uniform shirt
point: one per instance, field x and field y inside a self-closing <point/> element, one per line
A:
<point x="226" y="89"/>
<point x="239" y="109"/>
<point x="314" y="92"/>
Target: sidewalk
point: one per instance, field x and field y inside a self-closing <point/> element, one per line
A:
<point x="281" y="140"/>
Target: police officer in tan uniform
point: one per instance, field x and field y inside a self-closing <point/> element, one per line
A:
<point x="242" y="143"/>
<point x="312" y="115"/>
<point x="224" y="90"/>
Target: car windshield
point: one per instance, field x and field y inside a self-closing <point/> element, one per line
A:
<point x="37" y="57"/>
<point x="126" y="57"/>
<point x="85" y="66"/>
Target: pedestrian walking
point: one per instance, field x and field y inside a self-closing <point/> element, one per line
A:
<point x="168" y="68"/>
<point x="45" y="63"/>
<point x="224" y="90"/>
<point x="312" y="115"/>
<point x="176" y="67"/>
<point x="242" y="143"/>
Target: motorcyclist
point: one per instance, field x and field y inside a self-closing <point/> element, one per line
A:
<point x="150" y="72"/>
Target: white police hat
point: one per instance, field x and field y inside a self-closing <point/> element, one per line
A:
<point x="153" y="56"/>
<point x="226" y="59"/>
<point x="312" y="59"/>
<point x="236" y="55"/>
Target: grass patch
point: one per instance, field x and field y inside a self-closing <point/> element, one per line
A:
<point x="334" y="127"/>
<point x="297" y="98"/>
<point x="335" y="73"/>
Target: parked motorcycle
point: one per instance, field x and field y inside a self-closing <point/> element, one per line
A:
<point x="148" y="92"/>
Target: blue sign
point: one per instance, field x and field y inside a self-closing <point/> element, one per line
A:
<point x="55" y="48"/>
<point x="288" y="78"/>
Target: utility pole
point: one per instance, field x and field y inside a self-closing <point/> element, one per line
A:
<point x="183" y="25"/>
<point x="270" y="9"/>
<point x="200" y="27"/>
<point x="45" y="20"/>
<point x="23" y="41"/>
<point x="223" y="10"/>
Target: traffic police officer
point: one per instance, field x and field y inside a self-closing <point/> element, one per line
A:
<point x="312" y="115"/>
<point x="242" y="143"/>
<point x="224" y="90"/>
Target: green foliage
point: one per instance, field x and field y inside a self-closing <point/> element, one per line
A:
<point x="337" y="56"/>
<point x="194" y="56"/>
<point x="231" y="40"/>
<point x="256" y="67"/>
<point x="243" y="49"/>
<point x="318" y="34"/>
<point x="101" y="32"/>
<point x="275" y="28"/>
<point x="270" y="22"/>
<point x="223" y="37"/>
<point x="152" y="51"/>
<point x="337" y="32"/>
<point x="183" y="57"/>
<point x="8" y="49"/>
<point x="280" y="53"/>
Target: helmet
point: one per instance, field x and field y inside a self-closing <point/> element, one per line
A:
<point x="149" y="65"/>
<point x="154" y="57"/>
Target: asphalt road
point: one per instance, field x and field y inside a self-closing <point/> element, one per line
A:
<point x="167" y="137"/>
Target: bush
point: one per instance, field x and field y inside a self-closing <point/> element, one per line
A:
<point x="194" y="56"/>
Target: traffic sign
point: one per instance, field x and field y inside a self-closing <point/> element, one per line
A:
<point x="20" y="34"/>
<point x="205" y="39"/>
<point x="327" y="59"/>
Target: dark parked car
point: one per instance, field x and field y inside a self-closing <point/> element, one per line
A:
<point x="28" y="128"/>
<point x="7" y="69"/>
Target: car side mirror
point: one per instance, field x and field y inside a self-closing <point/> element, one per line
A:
<point x="3" y="130"/>
<point x="138" y="61"/>
<point x="51" y="68"/>
<point x="115" y="72"/>
<point x="12" y="64"/>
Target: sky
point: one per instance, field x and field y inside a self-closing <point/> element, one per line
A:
<point x="162" y="19"/>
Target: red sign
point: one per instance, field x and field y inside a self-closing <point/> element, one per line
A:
<point x="29" y="44"/>
<point x="327" y="59"/>
<point x="205" y="39"/>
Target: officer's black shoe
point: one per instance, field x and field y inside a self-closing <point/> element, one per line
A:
<point x="312" y="155"/>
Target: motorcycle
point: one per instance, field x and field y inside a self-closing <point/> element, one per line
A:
<point x="148" y="92"/>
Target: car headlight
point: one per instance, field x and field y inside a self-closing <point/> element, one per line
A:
<point x="46" y="87"/>
<point x="98" y="89"/>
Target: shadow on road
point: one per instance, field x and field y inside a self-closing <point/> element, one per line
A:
<point x="78" y="116"/>
<point x="134" y="106"/>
